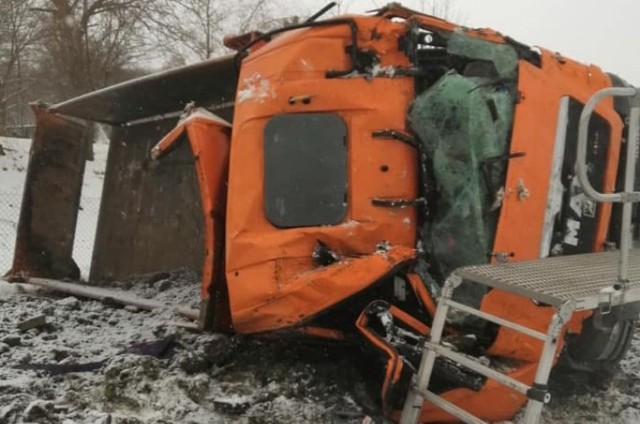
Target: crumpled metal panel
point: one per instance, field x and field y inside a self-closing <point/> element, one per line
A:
<point x="211" y="83"/>
<point x="49" y="211"/>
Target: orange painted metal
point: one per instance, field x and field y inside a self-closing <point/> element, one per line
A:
<point x="273" y="283"/>
<point x="519" y="231"/>
<point x="534" y="132"/>
<point x="209" y="139"/>
<point x="263" y="279"/>
<point x="492" y="403"/>
<point x="394" y="366"/>
<point x="513" y="345"/>
<point x="315" y="291"/>
<point x="421" y="292"/>
<point x="520" y="227"/>
<point x="401" y="316"/>
<point x="272" y="280"/>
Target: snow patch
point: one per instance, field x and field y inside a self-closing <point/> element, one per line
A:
<point x="254" y="87"/>
<point x="208" y="379"/>
<point x="351" y="224"/>
<point x="201" y="113"/>
<point x="383" y="71"/>
<point x="607" y="290"/>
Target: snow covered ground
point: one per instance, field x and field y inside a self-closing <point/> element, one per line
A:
<point x="194" y="378"/>
<point x="204" y="378"/>
<point x="13" y="166"/>
<point x="90" y="206"/>
<point x="201" y="378"/>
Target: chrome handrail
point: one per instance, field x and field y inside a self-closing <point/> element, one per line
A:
<point x="627" y="196"/>
<point x="583" y="131"/>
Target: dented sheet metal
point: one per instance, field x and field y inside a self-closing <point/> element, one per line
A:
<point x="208" y="136"/>
<point x="49" y="211"/>
<point x="312" y="293"/>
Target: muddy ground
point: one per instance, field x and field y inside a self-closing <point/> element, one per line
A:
<point x="145" y="367"/>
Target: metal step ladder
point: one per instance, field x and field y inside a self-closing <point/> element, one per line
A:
<point x="567" y="283"/>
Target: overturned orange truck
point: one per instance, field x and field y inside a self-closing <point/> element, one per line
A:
<point x="458" y="203"/>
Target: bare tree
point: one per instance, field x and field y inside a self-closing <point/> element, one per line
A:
<point x="445" y="9"/>
<point x="194" y="29"/>
<point x="88" y="44"/>
<point x="192" y="26"/>
<point x="18" y="31"/>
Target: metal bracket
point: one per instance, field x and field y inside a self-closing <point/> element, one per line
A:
<point x="539" y="392"/>
<point x="452" y="283"/>
<point x="396" y="135"/>
<point x="398" y="203"/>
<point x="565" y="311"/>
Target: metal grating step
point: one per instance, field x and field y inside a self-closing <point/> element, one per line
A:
<point x="586" y="279"/>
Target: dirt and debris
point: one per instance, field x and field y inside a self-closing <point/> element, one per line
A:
<point x="34" y="322"/>
<point x="97" y="363"/>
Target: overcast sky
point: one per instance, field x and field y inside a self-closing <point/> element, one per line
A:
<point x="605" y="33"/>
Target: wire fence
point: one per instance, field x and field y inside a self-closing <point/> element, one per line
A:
<point x="86" y="233"/>
<point x="9" y="214"/>
<point x="84" y="238"/>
